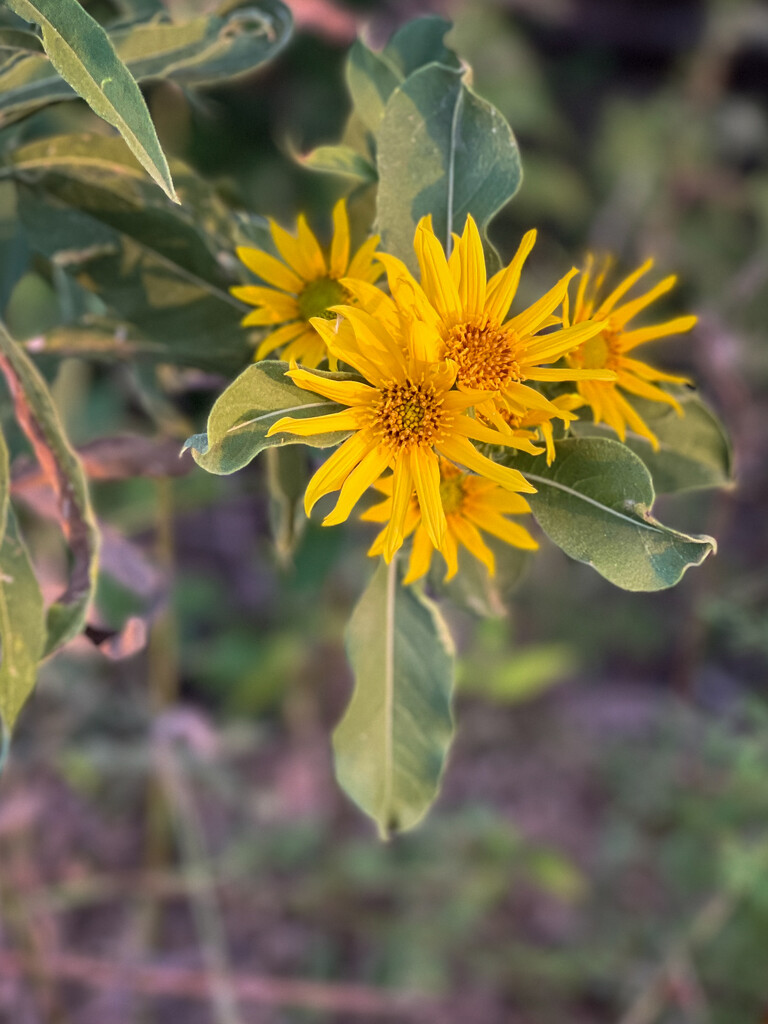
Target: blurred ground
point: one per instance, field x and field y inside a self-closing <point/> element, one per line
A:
<point x="172" y="843"/>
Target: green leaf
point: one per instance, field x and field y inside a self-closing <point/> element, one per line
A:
<point x="341" y="160"/>
<point x="22" y="624"/>
<point x="80" y="50"/>
<point x="420" y="42"/>
<point x="594" y="502"/>
<point x="163" y="269"/>
<point x="244" y="412"/>
<point x="38" y="418"/>
<point x="390" y="746"/>
<point x="373" y="77"/>
<point x="371" y="81"/>
<point x="287" y="475"/>
<point x="443" y="150"/>
<point x="694" y="451"/>
<point x="234" y="40"/>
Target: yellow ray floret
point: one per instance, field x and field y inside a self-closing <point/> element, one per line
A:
<point x="492" y="353"/>
<point x="471" y="505"/>
<point x="611" y="347"/>
<point x="404" y="416"/>
<point x="304" y="284"/>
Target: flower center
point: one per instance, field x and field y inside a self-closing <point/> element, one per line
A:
<point x="451" y="489"/>
<point x="599" y="353"/>
<point x="485" y="354"/>
<point x="318" y="295"/>
<point x="408" y="415"/>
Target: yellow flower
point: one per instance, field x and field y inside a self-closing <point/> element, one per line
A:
<point x="538" y="424"/>
<point x="305" y="285"/>
<point x="471" y="504"/>
<point x="609" y="349"/>
<point x="402" y="419"/>
<point x="492" y="354"/>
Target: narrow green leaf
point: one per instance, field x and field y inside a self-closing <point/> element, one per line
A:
<point x="38" y="418"/>
<point x="81" y="52"/>
<point x="232" y="41"/>
<point x="164" y="270"/>
<point x="420" y="42"/>
<point x="594" y="502"/>
<point x="341" y="160"/>
<point x="694" y="451"/>
<point x="22" y="624"/>
<point x="443" y="150"/>
<point x="5" y="484"/>
<point x="390" y="746"/>
<point x="244" y="412"/>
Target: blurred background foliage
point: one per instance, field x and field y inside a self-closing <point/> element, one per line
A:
<point x="600" y="852"/>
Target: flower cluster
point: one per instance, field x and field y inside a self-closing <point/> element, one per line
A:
<point x="445" y="365"/>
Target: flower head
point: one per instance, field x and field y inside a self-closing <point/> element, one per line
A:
<point x="609" y="349"/>
<point x="304" y="285"/>
<point x="493" y="354"/>
<point x="471" y="504"/>
<point x="404" y="416"/>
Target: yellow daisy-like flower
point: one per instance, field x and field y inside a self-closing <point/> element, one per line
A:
<point x="404" y="418"/>
<point x="492" y="353"/>
<point x="471" y="504"/>
<point x="537" y="424"/>
<point x="304" y="286"/>
<point x="609" y="349"/>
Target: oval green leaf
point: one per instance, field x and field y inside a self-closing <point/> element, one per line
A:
<point x="594" y="502"/>
<point x="694" y="450"/>
<point x="390" y="747"/>
<point x="443" y="150"/>
<point x="244" y="412"/>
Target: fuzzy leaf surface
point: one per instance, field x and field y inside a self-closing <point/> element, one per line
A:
<point x="441" y="149"/>
<point x="81" y="52"/>
<point x="243" y="413"/>
<point x="694" y="450"/>
<point x="390" y="747"/>
<point x="594" y="502"/>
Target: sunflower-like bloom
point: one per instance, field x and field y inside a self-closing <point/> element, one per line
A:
<point x="609" y="349"/>
<point x="493" y="354"/>
<point x="471" y="504"/>
<point x="537" y="424"/>
<point x="404" y="418"/>
<point x="305" y="285"/>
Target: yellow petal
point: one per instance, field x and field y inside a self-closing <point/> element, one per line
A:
<point x="471" y="428"/>
<point x="621" y="290"/>
<point x="310" y="248"/>
<point x="649" y="391"/>
<point x="421" y="556"/>
<point x="631" y="339"/>
<point x="450" y="553"/>
<point x="357" y="483"/>
<point x="532" y="318"/>
<point x="459" y="450"/>
<point x="472" y="269"/>
<point x="347" y="419"/>
<point x="401" y="499"/>
<point x="346" y="392"/>
<point x="340" y="243"/>
<point x="426" y="476"/>
<point x="335" y="470"/>
<point x="293" y="254"/>
<point x="468" y="535"/>
<point x="436" y="278"/>
<point x="552" y="346"/>
<point x="363" y="263"/>
<point x="625" y="313"/>
<point x="280" y="337"/>
<point x="270" y="269"/>
<point x="285" y="305"/>
<point x="503" y="286"/>
<point x="509" y="532"/>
